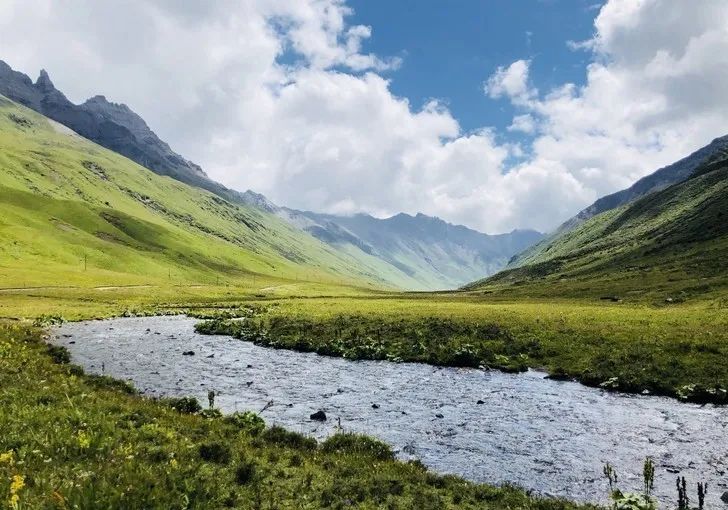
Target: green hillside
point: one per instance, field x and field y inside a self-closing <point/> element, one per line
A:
<point x="668" y="246"/>
<point x="72" y="212"/>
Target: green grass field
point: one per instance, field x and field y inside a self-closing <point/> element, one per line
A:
<point x="675" y="350"/>
<point x="671" y="350"/>
<point x="76" y="213"/>
<point x="634" y="300"/>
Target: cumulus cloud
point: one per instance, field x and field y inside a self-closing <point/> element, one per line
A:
<point x="657" y="89"/>
<point x="524" y="123"/>
<point x="282" y="97"/>
<point x="511" y="82"/>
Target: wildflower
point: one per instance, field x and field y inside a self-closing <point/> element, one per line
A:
<point x="17" y="483"/>
<point x="83" y="440"/>
<point x="7" y="457"/>
<point x="173" y="463"/>
<point x="15" y="487"/>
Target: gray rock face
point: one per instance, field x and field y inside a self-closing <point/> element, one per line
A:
<point x="111" y="125"/>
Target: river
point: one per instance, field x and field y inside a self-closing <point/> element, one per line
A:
<point x="548" y="436"/>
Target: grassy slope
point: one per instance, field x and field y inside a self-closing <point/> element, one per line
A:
<point x="73" y="212"/>
<point x="72" y="441"/>
<point x="668" y="245"/>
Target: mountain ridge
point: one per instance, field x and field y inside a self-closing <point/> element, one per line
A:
<point x="427" y="262"/>
<point x="440" y="254"/>
<point x="669" y="244"/>
<point x="662" y="178"/>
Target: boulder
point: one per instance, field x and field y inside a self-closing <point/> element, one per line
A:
<point x="318" y="416"/>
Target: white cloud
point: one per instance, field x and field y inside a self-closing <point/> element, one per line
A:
<point x="656" y="90"/>
<point x="524" y="123"/>
<point x="511" y="82"/>
<point x="323" y="131"/>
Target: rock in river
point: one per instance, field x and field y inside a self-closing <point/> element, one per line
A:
<point x="318" y="416"/>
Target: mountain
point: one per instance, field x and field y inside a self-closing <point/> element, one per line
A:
<point x="660" y="179"/>
<point x="111" y="125"/>
<point x="669" y="245"/>
<point x="75" y="213"/>
<point x="416" y="253"/>
<point x="436" y="254"/>
<point x="439" y="254"/>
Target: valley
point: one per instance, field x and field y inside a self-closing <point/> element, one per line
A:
<point x="468" y="370"/>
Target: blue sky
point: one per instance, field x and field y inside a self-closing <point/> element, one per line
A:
<point x="449" y="48"/>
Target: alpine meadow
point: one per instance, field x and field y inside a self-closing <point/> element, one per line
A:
<point x="483" y="263"/>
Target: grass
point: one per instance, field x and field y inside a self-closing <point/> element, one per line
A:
<point x="74" y="213"/>
<point x="88" y="234"/>
<point x="669" y="246"/>
<point x="675" y="350"/>
<point x="71" y="441"/>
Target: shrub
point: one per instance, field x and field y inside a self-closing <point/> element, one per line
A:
<point x="43" y="321"/>
<point x="245" y="472"/>
<point x="215" y="452"/>
<point x="282" y="437"/>
<point x="211" y="414"/>
<point x="59" y="354"/>
<point x="249" y="422"/>
<point x="106" y="382"/>
<point x="357" y="445"/>
<point x="188" y="405"/>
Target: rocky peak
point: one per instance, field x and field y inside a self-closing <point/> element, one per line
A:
<point x="260" y="201"/>
<point x="44" y="83"/>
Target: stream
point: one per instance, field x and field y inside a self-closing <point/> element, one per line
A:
<point x="548" y="436"/>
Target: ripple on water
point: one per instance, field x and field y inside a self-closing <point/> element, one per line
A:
<point x="549" y="436"/>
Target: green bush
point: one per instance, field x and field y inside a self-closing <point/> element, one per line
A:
<point x="282" y="437"/>
<point x="187" y="405"/>
<point x="44" y="321"/>
<point x="106" y="382"/>
<point x="356" y="444"/>
<point x="215" y="452"/>
<point x="245" y="472"/>
<point x="59" y="354"/>
<point x="249" y="422"/>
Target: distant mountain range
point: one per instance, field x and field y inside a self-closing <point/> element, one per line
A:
<point x="414" y="252"/>
<point x="437" y="254"/>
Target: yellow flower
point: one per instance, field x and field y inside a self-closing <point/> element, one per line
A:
<point x="7" y="457"/>
<point x="83" y="440"/>
<point x="173" y="463"/>
<point x="17" y="484"/>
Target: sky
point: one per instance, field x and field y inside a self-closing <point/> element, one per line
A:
<point x="493" y="114"/>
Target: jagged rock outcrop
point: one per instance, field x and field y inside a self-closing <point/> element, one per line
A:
<point x="111" y="125"/>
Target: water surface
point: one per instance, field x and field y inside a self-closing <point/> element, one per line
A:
<point x="551" y="437"/>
